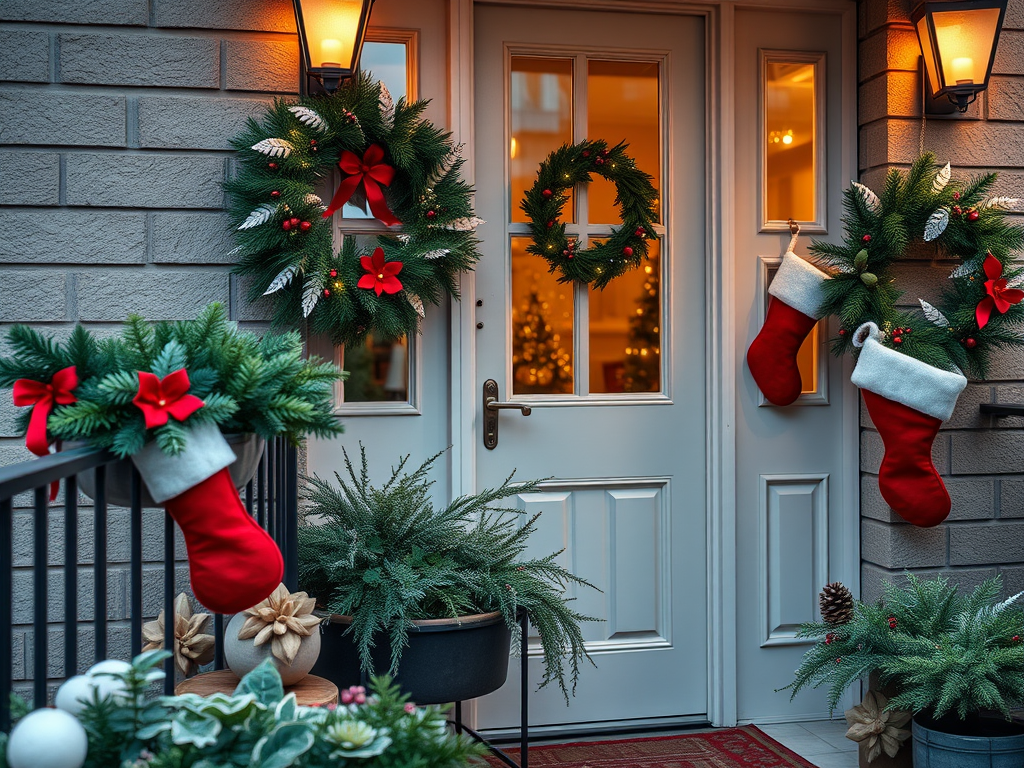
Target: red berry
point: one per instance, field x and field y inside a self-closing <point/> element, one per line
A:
<point x="547" y="193"/>
<point x="334" y="273"/>
<point x="866" y="239"/>
<point x="957" y="210"/>
<point x="829" y="638"/>
<point x="956" y="195"/>
<point x="842" y="331"/>
<point x="431" y="214"/>
<point x="275" y="194"/>
<point x="897" y="339"/>
<point x="551" y="223"/>
<point x="907" y="331"/>
<point x="604" y="153"/>
<point x="586" y="153"/>
<point x="286" y="225"/>
<point x="973" y="216"/>
<point x="1016" y="638"/>
<point x="640" y="232"/>
<point x="627" y="251"/>
<point x="327" y="291"/>
<point x="839" y="660"/>
<point x="313" y="142"/>
<point x="565" y="253"/>
<point x="295" y="221"/>
<point x="272" y="166"/>
<point x="304" y="226"/>
<point x="570" y="255"/>
<point x="970" y="343"/>
<point x="599" y="161"/>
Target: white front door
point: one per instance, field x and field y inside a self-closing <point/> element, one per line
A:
<point x="615" y="378"/>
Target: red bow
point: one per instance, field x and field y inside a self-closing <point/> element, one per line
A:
<point x="380" y="273"/>
<point x="160" y="398"/>
<point x="43" y="397"/>
<point x="371" y="173"/>
<point x="999" y="296"/>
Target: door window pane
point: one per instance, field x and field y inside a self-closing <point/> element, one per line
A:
<point x="622" y="105"/>
<point x="625" y="330"/>
<point x="542" y="326"/>
<point x="377" y="372"/>
<point x="790" y="136"/>
<point x="541" y="94"/>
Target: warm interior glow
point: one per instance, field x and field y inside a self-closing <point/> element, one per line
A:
<point x="965" y="40"/>
<point x="332" y="31"/>
<point x="513" y="149"/>
<point x="330" y="53"/>
<point x="790" y="141"/>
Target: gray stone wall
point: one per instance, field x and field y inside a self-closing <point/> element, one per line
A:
<point x="115" y="117"/>
<point x="981" y="458"/>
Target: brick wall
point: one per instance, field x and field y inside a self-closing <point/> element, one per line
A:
<point x="979" y="457"/>
<point x="114" y="122"/>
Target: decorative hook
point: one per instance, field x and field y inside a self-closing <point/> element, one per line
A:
<point x="794" y="230"/>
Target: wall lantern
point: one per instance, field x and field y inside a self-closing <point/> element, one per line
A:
<point x="331" y="38"/>
<point x="958" y="39"/>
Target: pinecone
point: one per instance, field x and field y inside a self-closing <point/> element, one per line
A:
<point x="836" y="604"/>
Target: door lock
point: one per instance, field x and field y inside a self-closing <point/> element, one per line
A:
<point x="491" y="409"/>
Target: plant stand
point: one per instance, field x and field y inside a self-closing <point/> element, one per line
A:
<point x="524" y="709"/>
<point x="310" y="691"/>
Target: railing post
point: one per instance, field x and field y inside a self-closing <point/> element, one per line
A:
<point x="6" y="611"/>
<point x="41" y="558"/>
<point x="291" y="519"/>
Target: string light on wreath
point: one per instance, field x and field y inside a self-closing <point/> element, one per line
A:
<point x="616" y="254"/>
<point x="401" y="167"/>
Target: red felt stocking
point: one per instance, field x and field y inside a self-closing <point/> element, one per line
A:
<point x="792" y="312"/>
<point x="909" y="482"/>
<point x="772" y="356"/>
<point x="908" y="400"/>
<point x="233" y="562"/>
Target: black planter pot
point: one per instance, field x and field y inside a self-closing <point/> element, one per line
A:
<point x="446" y="660"/>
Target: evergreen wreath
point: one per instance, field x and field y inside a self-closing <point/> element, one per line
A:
<point x="602" y="262"/>
<point x="979" y="311"/>
<point x="404" y="168"/>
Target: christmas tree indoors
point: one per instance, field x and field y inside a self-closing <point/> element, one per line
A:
<point x="540" y="363"/>
<point x="643" y="345"/>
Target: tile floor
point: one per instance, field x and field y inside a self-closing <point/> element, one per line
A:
<point x="822" y="742"/>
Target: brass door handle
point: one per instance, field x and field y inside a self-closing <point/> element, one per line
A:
<point x="491" y="408"/>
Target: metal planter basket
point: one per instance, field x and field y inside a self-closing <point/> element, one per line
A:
<point x="248" y="449"/>
<point x="446" y="660"/>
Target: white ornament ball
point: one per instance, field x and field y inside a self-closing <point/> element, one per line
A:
<point x="47" y="738"/>
<point x="99" y="676"/>
<point x="75" y="693"/>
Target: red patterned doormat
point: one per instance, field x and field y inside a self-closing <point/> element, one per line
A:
<point x="744" y="747"/>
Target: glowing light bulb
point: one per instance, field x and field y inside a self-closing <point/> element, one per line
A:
<point x="963" y="70"/>
<point x="330" y="52"/>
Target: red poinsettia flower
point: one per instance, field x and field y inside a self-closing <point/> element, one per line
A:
<point x="159" y="398"/>
<point x="999" y="296"/>
<point x="380" y="274"/>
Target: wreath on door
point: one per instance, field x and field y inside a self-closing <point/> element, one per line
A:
<point x="636" y="197"/>
<point x="401" y="167"/>
<point x="911" y="365"/>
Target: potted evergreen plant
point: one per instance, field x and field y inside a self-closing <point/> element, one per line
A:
<point x="431" y="595"/>
<point x="187" y="402"/>
<point x="953" y="660"/>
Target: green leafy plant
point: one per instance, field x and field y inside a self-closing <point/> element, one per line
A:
<point x="385" y="556"/>
<point x="247" y="383"/>
<point x="258" y="725"/>
<point x="943" y="651"/>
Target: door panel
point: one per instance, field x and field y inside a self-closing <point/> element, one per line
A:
<point x="793" y="470"/>
<point x="615" y="379"/>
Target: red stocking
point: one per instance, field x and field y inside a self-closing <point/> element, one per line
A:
<point x="796" y="296"/>
<point x="908" y="400"/>
<point x="233" y="563"/>
<point x="909" y="482"/>
<point x="772" y="356"/>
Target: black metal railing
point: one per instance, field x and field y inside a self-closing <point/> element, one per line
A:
<point x="271" y="497"/>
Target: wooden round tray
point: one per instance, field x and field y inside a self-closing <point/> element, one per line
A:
<point x="311" y="691"/>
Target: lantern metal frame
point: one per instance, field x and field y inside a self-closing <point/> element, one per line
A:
<point x="961" y="96"/>
<point x="330" y="78"/>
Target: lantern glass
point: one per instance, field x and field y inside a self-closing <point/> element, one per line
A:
<point x="331" y="33"/>
<point x="958" y="41"/>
